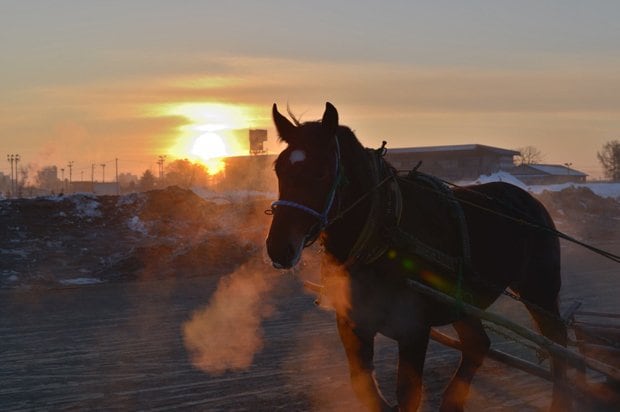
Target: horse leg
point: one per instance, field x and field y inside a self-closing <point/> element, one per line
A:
<point x="550" y="324"/>
<point x="411" y="355"/>
<point x="475" y="345"/>
<point x="359" y="347"/>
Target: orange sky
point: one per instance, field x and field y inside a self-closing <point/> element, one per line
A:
<point x="93" y="81"/>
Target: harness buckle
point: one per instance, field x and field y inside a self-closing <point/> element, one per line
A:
<point x="382" y="150"/>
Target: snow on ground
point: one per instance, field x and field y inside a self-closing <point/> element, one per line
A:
<point x="500" y="176"/>
<point x="80" y="281"/>
<point x="602" y="189"/>
<point x="86" y="205"/>
<point x="231" y="196"/>
<point x="137" y="225"/>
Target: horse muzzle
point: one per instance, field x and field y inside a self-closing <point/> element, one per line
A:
<point x="284" y="254"/>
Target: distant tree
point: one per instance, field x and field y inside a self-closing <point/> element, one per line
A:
<point x="147" y="181"/>
<point x="127" y="182"/>
<point x="609" y="156"/>
<point x="126" y="178"/>
<point x="22" y="179"/>
<point x="47" y="178"/>
<point x="529" y="155"/>
<point x="186" y="174"/>
<point x="5" y="184"/>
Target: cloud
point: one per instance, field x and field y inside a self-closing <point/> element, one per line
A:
<point x="407" y="104"/>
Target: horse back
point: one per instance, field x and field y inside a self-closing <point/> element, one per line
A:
<point x="502" y="233"/>
<point x="513" y="237"/>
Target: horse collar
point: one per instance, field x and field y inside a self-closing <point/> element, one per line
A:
<point x="385" y="212"/>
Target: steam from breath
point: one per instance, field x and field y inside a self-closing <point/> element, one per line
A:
<point x="337" y="286"/>
<point x="227" y="333"/>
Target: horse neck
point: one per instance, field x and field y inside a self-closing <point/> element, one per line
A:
<point x="342" y="234"/>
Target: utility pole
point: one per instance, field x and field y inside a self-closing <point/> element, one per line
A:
<point x="92" y="177"/>
<point x="17" y="190"/>
<point x="11" y="159"/>
<point x="103" y="172"/>
<point x="16" y="175"/>
<point x="62" y="178"/>
<point x="117" y="186"/>
<point x="160" y="163"/>
<point x="70" y="166"/>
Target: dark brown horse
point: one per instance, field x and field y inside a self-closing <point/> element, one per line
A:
<point x="379" y="230"/>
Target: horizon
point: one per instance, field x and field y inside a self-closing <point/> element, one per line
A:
<point x="90" y="82"/>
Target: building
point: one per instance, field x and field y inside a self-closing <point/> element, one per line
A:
<point x="257" y="139"/>
<point x="544" y="174"/>
<point x="456" y="162"/>
<point x="98" y="188"/>
<point x="453" y="163"/>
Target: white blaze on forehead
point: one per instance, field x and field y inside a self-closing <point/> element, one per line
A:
<point x="297" y="156"/>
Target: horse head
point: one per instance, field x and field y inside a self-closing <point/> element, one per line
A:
<point x="308" y="171"/>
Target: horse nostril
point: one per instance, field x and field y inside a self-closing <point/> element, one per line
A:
<point x="288" y="256"/>
<point x="290" y="252"/>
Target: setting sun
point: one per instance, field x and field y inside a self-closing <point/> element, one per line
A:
<point x="210" y="148"/>
<point x="211" y="131"/>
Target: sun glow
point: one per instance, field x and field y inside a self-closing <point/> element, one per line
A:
<point x="210" y="149"/>
<point x="210" y="131"/>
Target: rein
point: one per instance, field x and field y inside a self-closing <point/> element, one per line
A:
<point x="525" y="221"/>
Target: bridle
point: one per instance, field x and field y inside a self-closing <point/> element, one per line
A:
<point x="323" y="216"/>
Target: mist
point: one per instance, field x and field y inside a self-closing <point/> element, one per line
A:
<point x="225" y="335"/>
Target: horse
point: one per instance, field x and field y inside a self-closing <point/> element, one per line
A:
<point x="379" y="229"/>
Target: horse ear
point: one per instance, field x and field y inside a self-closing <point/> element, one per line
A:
<point x="286" y="129"/>
<point x="330" y="119"/>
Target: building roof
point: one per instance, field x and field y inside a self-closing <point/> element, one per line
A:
<point x="454" y="148"/>
<point x="549" y="170"/>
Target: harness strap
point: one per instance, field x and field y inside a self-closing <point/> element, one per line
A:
<point x="445" y="262"/>
<point x="322" y="217"/>
<point x="455" y="207"/>
<point x="385" y="211"/>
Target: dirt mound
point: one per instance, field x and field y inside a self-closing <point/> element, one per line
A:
<point x="579" y="212"/>
<point x="82" y="239"/>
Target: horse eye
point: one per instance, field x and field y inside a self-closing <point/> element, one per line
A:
<point x="319" y="175"/>
<point x="323" y="175"/>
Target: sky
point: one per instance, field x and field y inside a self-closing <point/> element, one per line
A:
<point x="93" y="81"/>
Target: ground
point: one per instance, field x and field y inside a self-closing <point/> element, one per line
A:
<point x="119" y="338"/>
